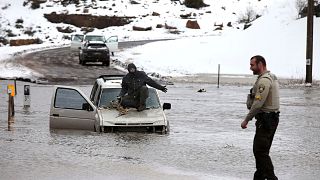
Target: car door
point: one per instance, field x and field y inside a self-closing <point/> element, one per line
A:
<point x="112" y="43"/>
<point x="71" y="109"/>
<point x="76" y="41"/>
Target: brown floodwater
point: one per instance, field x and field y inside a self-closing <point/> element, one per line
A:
<point x="205" y="142"/>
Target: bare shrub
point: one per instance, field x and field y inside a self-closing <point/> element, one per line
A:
<point x="301" y="6"/>
<point x="249" y="16"/>
<point x="29" y="32"/>
<point x="10" y="33"/>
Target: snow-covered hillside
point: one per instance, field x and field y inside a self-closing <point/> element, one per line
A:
<point x="277" y="34"/>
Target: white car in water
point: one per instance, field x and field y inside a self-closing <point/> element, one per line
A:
<point x="72" y="109"/>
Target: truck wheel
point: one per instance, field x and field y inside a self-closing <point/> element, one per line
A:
<point x="97" y="128"/>
<point x="106" y="63"/>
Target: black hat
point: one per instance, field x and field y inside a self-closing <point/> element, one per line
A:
<point x="131" y="65"/>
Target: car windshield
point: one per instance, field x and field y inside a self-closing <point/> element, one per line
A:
<point x="95" y="45"/>
<point x="94" y="38"/>
<point x="110" y="94"/>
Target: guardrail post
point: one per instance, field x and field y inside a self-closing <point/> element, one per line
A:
<point x="218" y="75"/>
<point x="27" y="100"/>
<point x="11" y="93"/>
<point x="10" y="112"/>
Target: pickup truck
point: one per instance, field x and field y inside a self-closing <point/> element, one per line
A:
<point x="72" y="109"/>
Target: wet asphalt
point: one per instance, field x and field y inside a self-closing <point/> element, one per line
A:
<point x="61" y="65"/>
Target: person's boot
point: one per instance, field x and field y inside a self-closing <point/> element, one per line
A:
<point x="141" y="107"/>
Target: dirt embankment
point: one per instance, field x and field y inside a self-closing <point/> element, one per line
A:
<point x="86" y="20"/>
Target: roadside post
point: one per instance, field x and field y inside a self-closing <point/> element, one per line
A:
<point x="11" y="94"/>
<point x="218" y="75"/>
<point x="26" y="100"/>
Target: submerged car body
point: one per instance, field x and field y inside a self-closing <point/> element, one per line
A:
<point x="72" y="109"/>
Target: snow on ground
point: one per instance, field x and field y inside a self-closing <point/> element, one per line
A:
<point x="278" y="35"/>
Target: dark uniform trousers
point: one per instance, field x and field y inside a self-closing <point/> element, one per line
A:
<point x="137" y="99"/>
<point x="266" y="126"/>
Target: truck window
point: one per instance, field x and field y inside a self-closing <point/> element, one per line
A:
<point x="68" y="99"/>
<point x="93" y="91"/>
<point x="110" y="94"/>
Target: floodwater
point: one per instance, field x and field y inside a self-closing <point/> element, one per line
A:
<point x="205" y="142"/>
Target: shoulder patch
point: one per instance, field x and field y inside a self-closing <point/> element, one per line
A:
<point x="258" y="97"/>
<point x="261" y="88"/>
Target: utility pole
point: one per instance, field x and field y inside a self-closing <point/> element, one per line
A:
<point x="309" y="52"/>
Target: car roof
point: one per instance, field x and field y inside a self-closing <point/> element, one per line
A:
<point x="95" y="42"/>
<point x="94" y="35"/>
<point x="110" y="81"/>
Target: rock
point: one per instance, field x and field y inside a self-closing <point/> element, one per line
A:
<point x="169" y="27"/>
<point x="159" y="26"/>
<point x="21" y="42"/>
<point x="201" y="90"/>
<point x="246" y="26"/>
<point x="136" y="28"/>
<point x="185" y="16"/>
<point x="65" y="30"/>
<point x="155" y="14"/>
<point x="192" y="24"/>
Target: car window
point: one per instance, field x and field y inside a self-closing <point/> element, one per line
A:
<point x="68" y="99"/>
<point x="78" y="38"/>
<point x="112" y="39"/>
<point x="94" y="38"/>
<point x="152" y="100"/>
<point x="110" y="94"/>
<point x="93" y="91"/>
<point x="97" y="96"/>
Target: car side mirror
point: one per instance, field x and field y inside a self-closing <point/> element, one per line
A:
<point x="166" y="106"/>
<point x="87" y="107"/>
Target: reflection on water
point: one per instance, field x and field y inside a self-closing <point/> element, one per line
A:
<point x="205" y="142"/>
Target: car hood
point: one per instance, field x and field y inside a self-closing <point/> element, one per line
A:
<point x="111" y="117"/>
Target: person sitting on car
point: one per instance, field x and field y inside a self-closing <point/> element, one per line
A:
<point x="134" y="91"/>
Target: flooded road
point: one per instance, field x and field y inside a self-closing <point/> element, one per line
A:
<point x="205" y="142"/>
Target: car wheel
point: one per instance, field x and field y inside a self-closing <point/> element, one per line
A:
<point x="106" y="63"/>
<point x="83" y="62"/>
<point x="166" y="129"/>
<point x="97" y="128"/>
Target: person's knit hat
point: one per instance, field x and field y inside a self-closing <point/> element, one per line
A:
<point x="131" y="65"/>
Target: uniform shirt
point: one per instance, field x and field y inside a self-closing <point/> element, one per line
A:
<point x="265" y="95"/>
<point x="132" y="82"/>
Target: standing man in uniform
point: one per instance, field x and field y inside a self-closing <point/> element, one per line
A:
<point x="134" y="91"/>
<point x="263" y="104"/>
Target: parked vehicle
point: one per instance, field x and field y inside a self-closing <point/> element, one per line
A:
<point x="94" y="51"/>
<point x="72" y="109"/>
<point x="77" y="40"/>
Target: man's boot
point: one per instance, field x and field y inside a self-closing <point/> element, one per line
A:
<point x="141" y="107"/>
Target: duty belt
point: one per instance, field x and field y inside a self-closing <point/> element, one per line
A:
<point x="262" y="115"/>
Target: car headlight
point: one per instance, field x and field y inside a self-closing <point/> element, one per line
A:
<point x="159" y="122"/>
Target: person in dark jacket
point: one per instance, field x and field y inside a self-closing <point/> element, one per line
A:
<point x="134" y="90"/>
